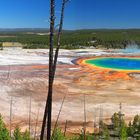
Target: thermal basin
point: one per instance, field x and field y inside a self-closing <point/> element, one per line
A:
<point x="119" y="64"/>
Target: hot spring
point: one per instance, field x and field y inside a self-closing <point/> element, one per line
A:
<point x="122" y="64"/>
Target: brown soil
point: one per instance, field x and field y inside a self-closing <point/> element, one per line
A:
<point x="101" y="94"/>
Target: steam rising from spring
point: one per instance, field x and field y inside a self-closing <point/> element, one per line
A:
<point x="132" y="48"/>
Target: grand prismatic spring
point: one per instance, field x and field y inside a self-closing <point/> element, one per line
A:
<point x="118" y="64"/>
<point x="105" y="79"/>
<point x="112" y="67"/>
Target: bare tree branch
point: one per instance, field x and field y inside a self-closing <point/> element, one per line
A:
<point x="52" y="67"/>
<point x="48" y="107"/>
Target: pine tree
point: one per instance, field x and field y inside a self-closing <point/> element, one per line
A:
<point x="115" y="120"/>
<point x="26" y="135"/>
<point x="136" y="123"/>
<point x="123" y="131"/>
<point x="130" y="130"/>
<point x="58" y="135"/>
<point x="4" y="133"/>
<point x="106" y="133"/>
<point x="17" y="134"/>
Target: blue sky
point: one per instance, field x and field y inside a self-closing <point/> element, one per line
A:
<point x="79" y="14"/>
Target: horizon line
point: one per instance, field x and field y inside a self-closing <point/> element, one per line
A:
<point x="43" y="28"/>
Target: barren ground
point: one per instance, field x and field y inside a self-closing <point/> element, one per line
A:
<point x="24" y="74"/>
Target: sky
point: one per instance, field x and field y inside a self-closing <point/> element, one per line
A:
<point x="79" y="14"/>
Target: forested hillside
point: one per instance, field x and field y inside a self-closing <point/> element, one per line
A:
<point x="75" y="39"/>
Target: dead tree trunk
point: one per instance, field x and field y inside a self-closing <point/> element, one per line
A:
<point x="36" y="124"/>
<point x="52" y="68"/>
<point x="11" y="111"/>
<point x="59" y="36"/>
<point x="65" y="130"/>
<point x="48" y="107"/>
<point x="30" y="108"/>
<point x="50" y="87"/>
<point x="84" y="117"/>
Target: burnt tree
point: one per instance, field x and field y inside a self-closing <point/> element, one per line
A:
<point x="52" y="67"/>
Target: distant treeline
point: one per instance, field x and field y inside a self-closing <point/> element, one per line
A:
<point x="77" y="39"/>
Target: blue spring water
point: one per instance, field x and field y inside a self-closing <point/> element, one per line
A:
<point x="116" y="63"/>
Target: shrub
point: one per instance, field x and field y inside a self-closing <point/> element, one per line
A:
<point x="4" y="133"/>
<point x="17" y="134"/>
